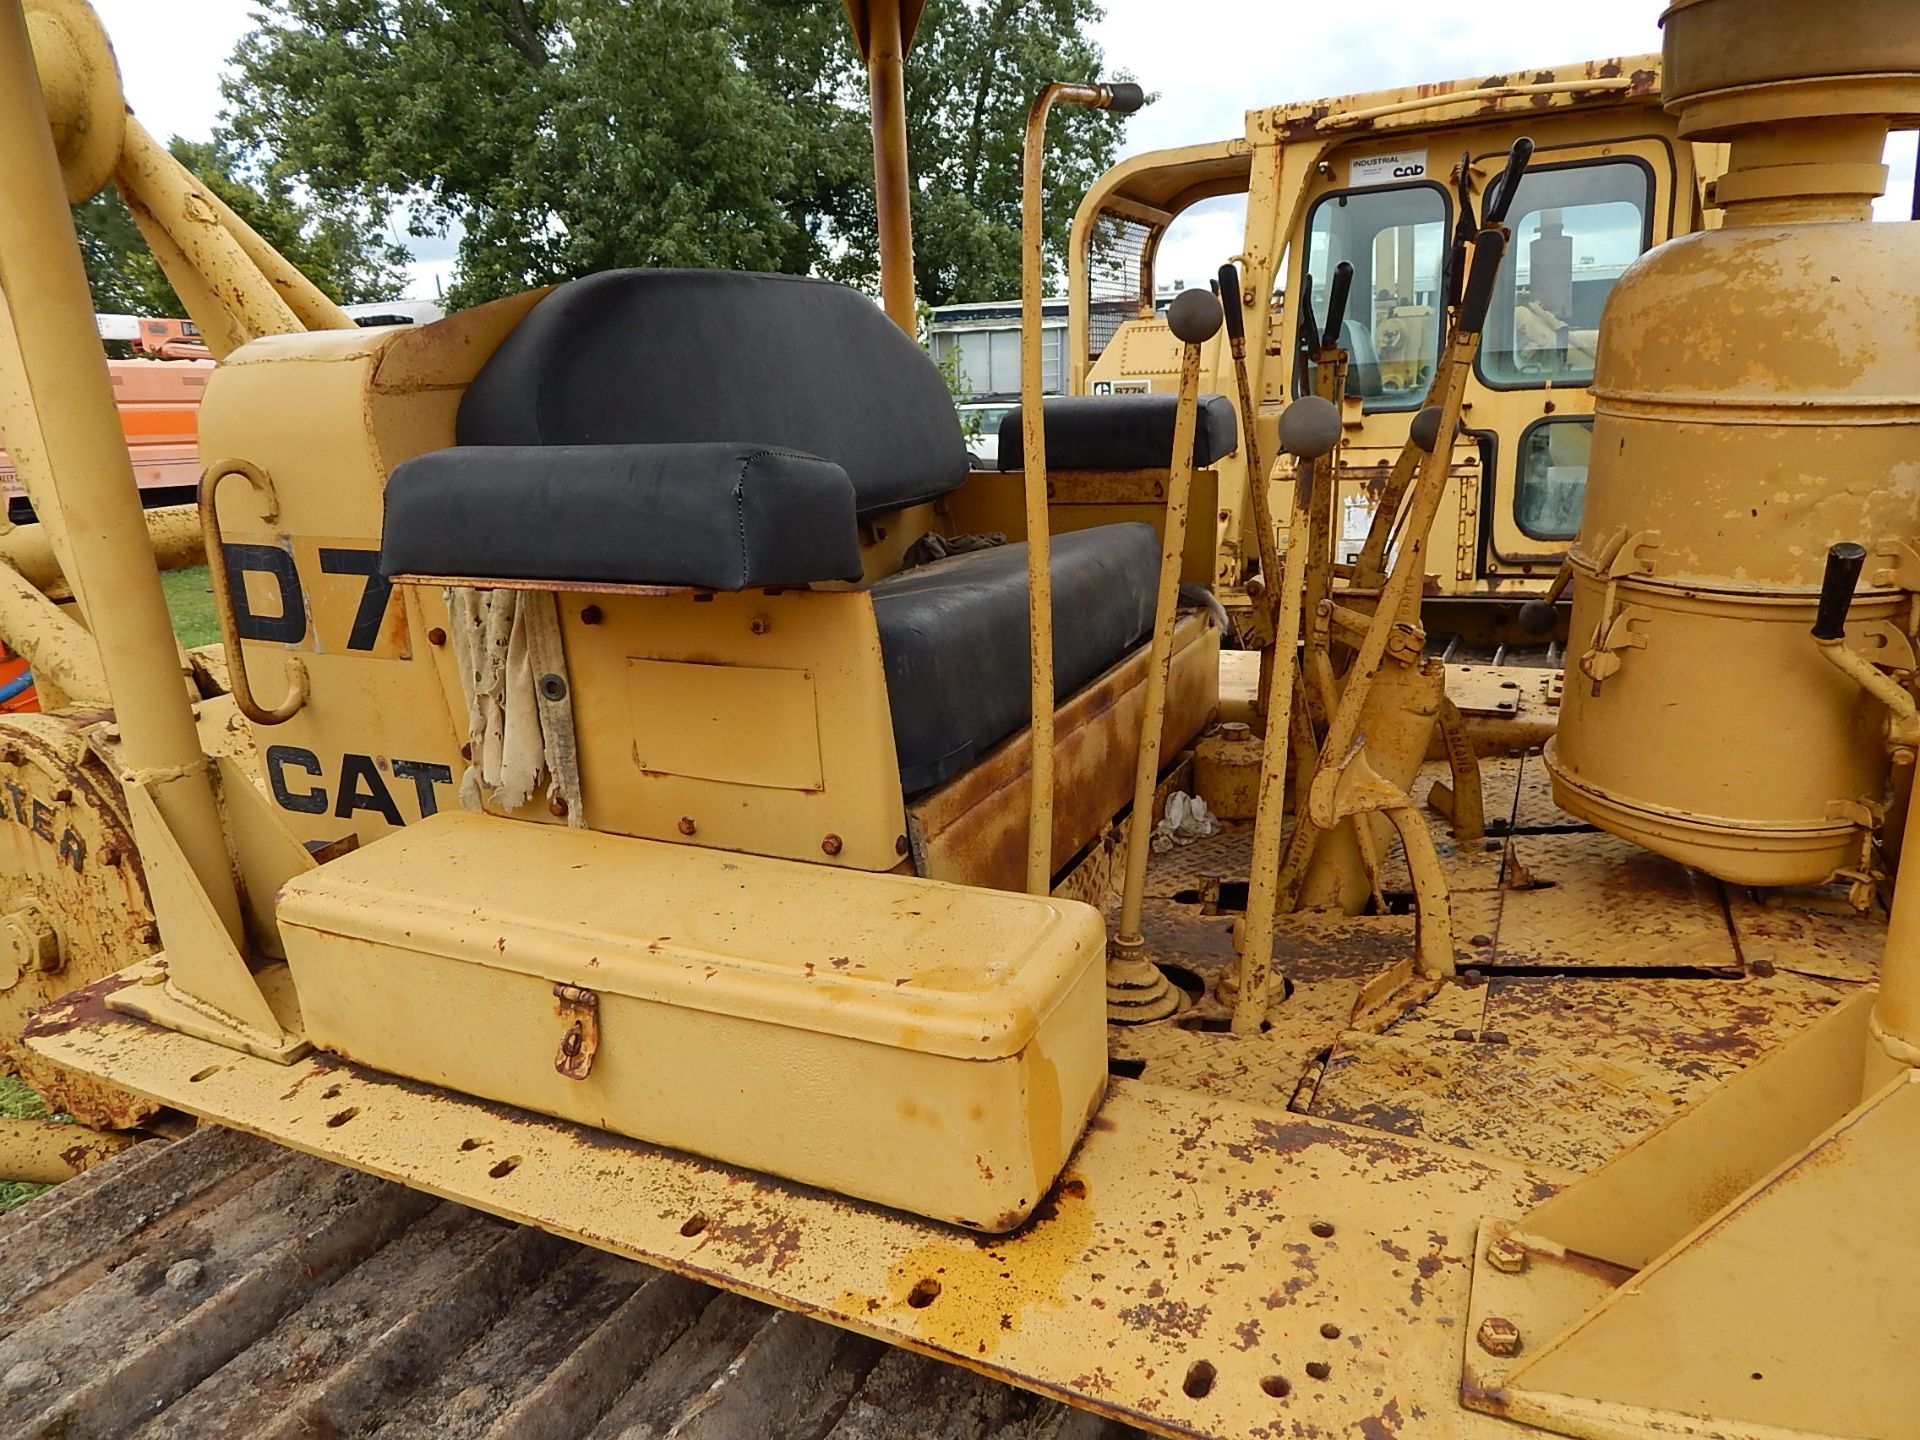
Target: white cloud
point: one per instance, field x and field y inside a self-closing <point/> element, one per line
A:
<point x="172" y="54"/>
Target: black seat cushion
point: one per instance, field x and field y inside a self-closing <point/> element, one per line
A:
<point x="954" y="636"/>
<point x="1120" y="432"/>
<point x="720" y="516"/>
<point x="648" y="357"/>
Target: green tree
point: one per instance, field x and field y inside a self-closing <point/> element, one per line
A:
<point x="339" y="246"/>
<point x="565" y="136"/>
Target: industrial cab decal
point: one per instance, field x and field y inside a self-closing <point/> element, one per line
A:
<point x="302" y="784"/>
<point x="322" y="595"/>
<point x="1394" y="169"/>
<point x="19" y="806"/>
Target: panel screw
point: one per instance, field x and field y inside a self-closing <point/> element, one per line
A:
<point x="436" y="636"/>
<point x="1507" y="1255"/>
<point x="759" y="625"/>
<point x="466" y="752"/>
<point x="1499" y="1336"/>
<point x="687" y="827"/>
<point x="831" y="844"/>
<point x="558" y="806"/>
<point x="590" y="615"/>
<point x="900" y="845"/>
<point x="552" y="687"/>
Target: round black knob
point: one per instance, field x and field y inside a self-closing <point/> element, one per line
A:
<point x="1194" y="316"/>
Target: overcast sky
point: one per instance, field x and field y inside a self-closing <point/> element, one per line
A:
<point x="1209" y="62"/>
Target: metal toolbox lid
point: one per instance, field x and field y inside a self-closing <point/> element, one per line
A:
<point x="908" y="963"/>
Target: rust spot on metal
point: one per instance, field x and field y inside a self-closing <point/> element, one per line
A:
<point x="1385" y="1425"/>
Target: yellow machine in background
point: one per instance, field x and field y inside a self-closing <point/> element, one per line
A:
<point x="671" y="821"/>
<point x="1386" y="182"/>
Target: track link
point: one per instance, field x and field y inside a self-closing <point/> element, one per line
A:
<point x="220" y="1287"/>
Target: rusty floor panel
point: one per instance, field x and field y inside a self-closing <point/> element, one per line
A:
<point x="245" y="1291"/>
<point x="1603" y="988"/>
<point x="222" y="1287"/>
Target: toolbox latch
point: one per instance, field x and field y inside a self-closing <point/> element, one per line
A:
<point x="580" y="1041"/>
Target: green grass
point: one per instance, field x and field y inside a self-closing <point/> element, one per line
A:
<point x="190" y="603"/>
<point x="18" y="1101"/>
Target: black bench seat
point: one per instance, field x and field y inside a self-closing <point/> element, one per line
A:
<point x="954" y="636"/>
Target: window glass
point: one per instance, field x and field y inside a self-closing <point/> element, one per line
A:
<point x="1003" y="374"/>
<point x="1575" y="229"/>
<point x="1395" y="239"/>
<point x="1553" y="478"/>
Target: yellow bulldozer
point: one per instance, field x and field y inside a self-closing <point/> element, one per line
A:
<point x="1386" y="182"/>
<point x="894" y="972"/>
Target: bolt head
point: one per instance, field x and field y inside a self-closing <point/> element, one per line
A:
<point x="831" y="844"/>
<point x="1499" y="1336"/>
<point x="687" y="827"/>
<point x="557" y="806"/>
<point x="436" y="636"/>
<point x="1507" y="1255"/>
<point x="28" y="944"/>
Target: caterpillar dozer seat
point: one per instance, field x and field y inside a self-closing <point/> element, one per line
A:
<point x="1119" y="432"/>
<point x="725" y="432"/>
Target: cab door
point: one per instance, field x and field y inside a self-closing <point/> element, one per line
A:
<point x="1584" y="212"/>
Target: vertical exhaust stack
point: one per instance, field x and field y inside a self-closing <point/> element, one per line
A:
<point x="1757" y="398"/>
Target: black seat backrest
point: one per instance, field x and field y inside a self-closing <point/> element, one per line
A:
<point x="642" y="357"/>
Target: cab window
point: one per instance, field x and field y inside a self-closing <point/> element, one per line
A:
<point x="1552" y="480"/>
<point x="1395" y="239"/>
<point x="1575" y="229"/>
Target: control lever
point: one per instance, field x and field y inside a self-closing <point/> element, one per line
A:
<point x="1830" y="635"/>
<point x="1309" y="430"/>
<point x="1836" y="590"/>
<point x="1337" y="305"/>
<point x="1465" y="227"/>
<point x="1488" y="249"/>
<point x="1500" y="194"/>
<point x="1136" y="990"/>
<point x="1309" y="333"/>
<point x="1261" y="504"/>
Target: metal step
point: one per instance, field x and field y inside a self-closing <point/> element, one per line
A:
<point x="221" y="1287"/>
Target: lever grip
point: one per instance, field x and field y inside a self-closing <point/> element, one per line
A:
<point x="1465" y="227"/>
<point x="1836" y="590"/>
<point x="1230" y="302"/>
<point x="1488" y="251"/>
<point x="1124" y="97"/>
<point x="1500" y="198"/>
<point x="1305" y="338"/>
<point x="1456" y="273"/>
<point x="1337" y="305"/>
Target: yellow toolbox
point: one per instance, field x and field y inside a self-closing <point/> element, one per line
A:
<point x="924" y="1045"/>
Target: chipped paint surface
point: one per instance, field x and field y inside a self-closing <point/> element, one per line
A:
<point x="1180" y="1218"/>
<point x="1258" y="1238"/>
